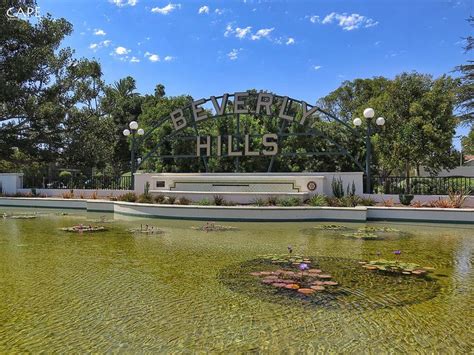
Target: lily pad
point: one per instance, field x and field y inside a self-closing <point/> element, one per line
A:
<point x="396" y="267"/>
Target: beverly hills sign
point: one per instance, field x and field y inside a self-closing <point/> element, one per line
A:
<point x="243" y="103"/>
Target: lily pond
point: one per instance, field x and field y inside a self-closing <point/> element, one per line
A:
<point x="72" y="281"/>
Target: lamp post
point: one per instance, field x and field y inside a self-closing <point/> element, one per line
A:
<point x="369" y="113"/>
<point x="134" y="130"/>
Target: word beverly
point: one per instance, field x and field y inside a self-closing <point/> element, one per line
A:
<point x="264" y="104"/>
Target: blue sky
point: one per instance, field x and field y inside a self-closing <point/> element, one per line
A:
<point x="303" y="49"/>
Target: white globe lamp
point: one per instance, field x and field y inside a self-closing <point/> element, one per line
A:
<point x="380" y="121"/>
<point x="126" y="132"/>
<point x="133" y="125"/>
<point x="369" y="112"/>
<point x="141" y="132"/>
<point x="357" y="122"/>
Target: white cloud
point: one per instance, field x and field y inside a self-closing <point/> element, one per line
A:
<point x="96" y="46"/>
<point x="203" y="10"/>
<point x="234" y="54"/>
<point x="152" y="57"/>
<point x="166" y="9"/>
<point x="264" y="32"/>
<point x="228" y="30"/>
<point x="219" y="11"/>
<point x="134" y="60"/>
<point x="317" y="67"/>
<point x="314" y="19"/>
<point x="349" y="22"/>
<point x="121" y="51"/>
<point x="242" y="32"/>
<point x="121" y="3"/>
<point x="290" y="41"/>
<point x="99" y="32"/>
<point x="168" y="58"/>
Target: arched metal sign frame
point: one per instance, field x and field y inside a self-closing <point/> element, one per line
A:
<point x="189" y="111"/>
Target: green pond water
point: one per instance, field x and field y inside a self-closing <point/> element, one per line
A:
<point x="190" y="291"/>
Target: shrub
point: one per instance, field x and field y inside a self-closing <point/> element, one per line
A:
<point x="170" y="200"/>
<point x="352" y="191"/>
<point x="145" y="198"/>
<point x="259" y="202"/>
<point x="366" y="201"/>
<point x="68" y="194"/>
<point x="160" y="199"/>
<point x="204" y="202"/>
<point x="94" y="195"/>
<point x="405" y="199"/>
<point x="388" y="203"/>
<point x="457" y="198"/>
<point x="272" y="201"/>
<point x="417" y="204"/>
<point x="334" y="202"/>
<point x="290" y="202"/>
<point x="65" y="176"/>
<point x="183" y="201"/>
<point x="349" y="201"/>
<point x="337" y="187"/>
<point x="33" y="192"/>
<point x="147" y="188"/>
<point x="318" y="200"/>
<point x="128" y="197"/>
<point x="81" y="195"/>
<point x="441" y="203"/>
<point x="218" y="200"/>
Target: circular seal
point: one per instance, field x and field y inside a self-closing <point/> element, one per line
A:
<point x="311" y="186"/>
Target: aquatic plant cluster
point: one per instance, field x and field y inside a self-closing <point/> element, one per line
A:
<point x="146" y="229"/>
<point x="21" y="216"/>
<point x="296" y="275"/>
<point x="80" y="228"/>
<point x="396" y="266"/>
<point x="366" y="232"/>
<point x="213" y="227"/>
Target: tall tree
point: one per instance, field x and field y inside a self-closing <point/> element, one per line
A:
<point x="123" y="104"/>
<point x="32" y="70"/>
<point x="419" y="119"/>
<point x="467" y="143"/>
<point x="466" y="90"/>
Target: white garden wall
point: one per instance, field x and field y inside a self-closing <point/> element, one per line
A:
<point x="10" y="182"/>
<point x="239" y="186"/>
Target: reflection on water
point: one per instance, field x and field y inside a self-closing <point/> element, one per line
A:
<point x="116" y="291"/>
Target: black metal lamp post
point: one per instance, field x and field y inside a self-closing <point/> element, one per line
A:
<point x="134" y="130"/>
<point x="369" y="113"/>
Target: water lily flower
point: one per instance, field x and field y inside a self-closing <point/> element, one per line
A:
<point x="303" y="266"/>
<point x="397" y="252"/>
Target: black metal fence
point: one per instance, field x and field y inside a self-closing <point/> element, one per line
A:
<point x="91" y="183"/>
<point x="423" y="185"/>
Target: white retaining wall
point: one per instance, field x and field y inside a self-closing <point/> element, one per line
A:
<point x="252" y="213"/>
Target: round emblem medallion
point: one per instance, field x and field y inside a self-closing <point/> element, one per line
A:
<point x="311" y="186"/>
